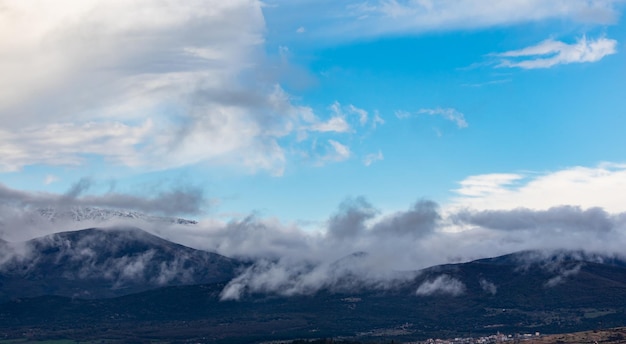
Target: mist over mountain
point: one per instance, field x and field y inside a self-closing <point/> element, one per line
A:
<point x="96" y="263"/>
<point x="538" y="290"/>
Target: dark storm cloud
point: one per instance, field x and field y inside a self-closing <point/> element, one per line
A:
<point x="181" y="200"/>
<point x="561" y="218"/>
<point x="418" y="221"/>
<point x="349" y="221"/>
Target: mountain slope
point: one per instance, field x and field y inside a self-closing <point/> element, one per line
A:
<point x="524" y="292"/>
<point x="97" y="263"/>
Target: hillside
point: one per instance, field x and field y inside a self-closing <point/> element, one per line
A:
<point x="549" y="292"/>
<point x="99" y="263"/>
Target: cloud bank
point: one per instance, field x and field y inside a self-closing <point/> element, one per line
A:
<point x="152" y="85"/>
<point x="587" y="187"/>
<point x="358" y="245"/>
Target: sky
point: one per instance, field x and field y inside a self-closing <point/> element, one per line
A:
<point x="321" y="118"/>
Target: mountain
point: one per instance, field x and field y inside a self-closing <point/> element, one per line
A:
<point x="93" y="214"/>
<point x="524" y="292"/>
<point x="99" y="263"/>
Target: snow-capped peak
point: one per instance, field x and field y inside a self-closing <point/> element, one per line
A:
<point x="98" y="215"/>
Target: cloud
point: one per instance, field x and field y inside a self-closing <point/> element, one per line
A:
<point x="152" y="85"/>
<point x="377" y="120"/>
<point x="339" y="121"/>
<point x="388" y="17"/>
<point x="349" y="222"/>
<point x="173" y="70"/>
<point x="563" y="275"/>
<point x="180" y="200"/>
<point x="50" y="179"/>
<point x="488" y="286"/>
<point x="587" y="187"/>
<point x="351" y="273"/>
<point x="358" y="245"/>
<point x="418" y="221"/>
<point x="559" y="219"/>
<point x="334" y="124"/>
<point x="68" y="144"/>
<point x="550" y="53"/>
<point x="443" y="284"/>
<point x="486" y="184"/>
<point x="362" y="114"/>
<point x="372" y="158"/>
<point x="449" y="114"/>
<point x="341" y="152"/>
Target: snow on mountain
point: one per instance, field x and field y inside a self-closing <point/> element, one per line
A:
<point x="83" y="214"/>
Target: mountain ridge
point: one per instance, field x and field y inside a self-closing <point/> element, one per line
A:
<point x="547" y="291"/>
<point x="96" y="263"/>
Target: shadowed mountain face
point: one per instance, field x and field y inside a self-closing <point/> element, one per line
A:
<point x="551" y="292"/>
<point x="98" y="263"/>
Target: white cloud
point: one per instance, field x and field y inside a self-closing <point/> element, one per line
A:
<point x="175" y="65"/>
<point x="66" y="144"/>
<point x="335" y="124"/>
<point x="601" y="186"/>
<point x="340" y="120"/>
<point x="443" y="284"/>
<point x="372" y="158"/>
<point x="387" y="17"/>
<point x="301" y="29"/>
<point x="341" y="152"/>
<point x="550" y="53"/>
<point x="50" y="179"/>
<point x="83" y="78"/>
<point x="562" y="276"/>
<point x="447" y="113"/>
<point x="486" y="184"/>
<point x="377" y="120"/>
<point x="359" y="112"/>
<point x="488" y="286"/>
<point x="401" y="114"/>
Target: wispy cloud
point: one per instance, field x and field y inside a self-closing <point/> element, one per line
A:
<point x="67" y="144"/>
<point x="443" y="284"/>
<point x="341" y="151"/>
<point x="362" y="114"/>
<point x="181" y="200"/>
<point x="550" y="53"/>
<point x="334" y="124"/>
<point x="50" y="178"/>
<point x="449" y="114"/>
<point x="488" y="286"/>
<point x="372" y="158"/>
<point x="385" y="17"/>
<point x="486" y="184"/>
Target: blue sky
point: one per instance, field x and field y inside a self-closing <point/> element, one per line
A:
<point x="286" y="108"/>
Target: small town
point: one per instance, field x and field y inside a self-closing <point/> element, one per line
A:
<point x="495" y="338"/>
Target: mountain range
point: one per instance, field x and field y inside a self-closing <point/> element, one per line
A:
<point x="98" y="263"/>
<point x="122" y="283"/>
